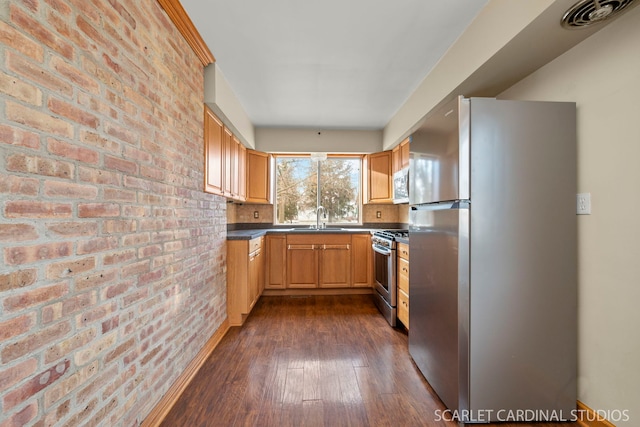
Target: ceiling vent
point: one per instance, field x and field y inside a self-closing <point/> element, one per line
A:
<point x="588" y="12"/>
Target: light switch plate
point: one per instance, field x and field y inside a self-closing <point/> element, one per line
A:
<point x="583" y="203"/>
<point x="256" y="214"/>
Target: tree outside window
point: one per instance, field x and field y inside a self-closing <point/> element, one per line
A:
<point x="297" y="189"/>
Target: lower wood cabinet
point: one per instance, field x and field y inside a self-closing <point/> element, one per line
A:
<point x="245" y="277"/>
<point x="361" y="261"/>
<point x="318" y="261"/>
<point x="276" y="265"/>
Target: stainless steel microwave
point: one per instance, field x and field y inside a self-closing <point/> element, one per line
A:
<point x="401" y="186"/>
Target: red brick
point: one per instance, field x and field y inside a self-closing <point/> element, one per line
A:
<point x="73" y="229"/>
<point x="11" y="37"/>
<point x="34" y="341"/>
<point x="99" y="244"/>
<point x="120" y="164"/>
<point x="135" y="269"/>
<point x="95" y="348"/>
<point x="118" y="194"/>
<point x="20" y="90"/>
<point x="99" y="176"/>
<point x="23" y="417"/>
<point x="70" y="268"/>
<point x="98" y="210"/>
<point x="110" y="324"/>
<point x="65" y="386"/>
<point x="67" y="307"/>
<point x="96" y="314"/>
<point x="74" y="75"/>
<point x="36" y="209"/>
<point x="119" y="351"/>
<point x="34" y="385"/>
<point x="17" y="279"/>
<point x="34" y="297"/>
<point x="95" y="280"/>
<point x="60" y="6"/>
<point x="14" y="374"/>
<point x="96" y="36"/>
<point x="29" y="254"/>
<point x="119" y="257"/>
<point x="68" y="190"/>
<point x="16" y="326"/>
<point x="72" y="152"/>
<point x="41" y="34"/>
<point x="37" y="74"/>
<point x="15" y="136"/>
<point x="73" y="113"/>
<point x="12" y="184"/>
<point x="61" y="350"/>
<point x="40" y="166"/>
<point x="37" y="120"/>
<point x="136" y="239"/>
<point x="99" y="141"/>
<point x="17" y="232"/>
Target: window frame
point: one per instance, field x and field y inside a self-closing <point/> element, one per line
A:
<point x="361" y="186"/>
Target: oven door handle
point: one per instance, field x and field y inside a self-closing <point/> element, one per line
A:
<point x="381" y="250"/>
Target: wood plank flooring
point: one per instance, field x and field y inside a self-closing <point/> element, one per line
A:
<point x="312" y="361"/>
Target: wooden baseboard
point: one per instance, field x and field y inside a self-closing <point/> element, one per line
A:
<point x="316" y="291"/>
<point x="587" y="417"/>
<point x="163" y="407"/>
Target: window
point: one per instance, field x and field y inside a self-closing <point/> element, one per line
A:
<point x="297" y="180"/>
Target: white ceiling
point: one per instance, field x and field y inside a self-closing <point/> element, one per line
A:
<point x="327" y="64"/>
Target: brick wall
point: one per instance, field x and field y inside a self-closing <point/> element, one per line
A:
<point x="112" y="258"/>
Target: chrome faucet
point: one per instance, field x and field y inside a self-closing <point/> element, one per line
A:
<point x="320" y="225"/>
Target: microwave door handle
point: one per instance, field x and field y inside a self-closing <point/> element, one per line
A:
<point x="380" y="250"/>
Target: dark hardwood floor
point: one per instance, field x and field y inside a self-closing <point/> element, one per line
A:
<point x="312" y="361"/>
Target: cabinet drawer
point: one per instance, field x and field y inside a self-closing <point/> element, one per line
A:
<point x="403" y="250"/>
<point x="255" y="244"/>
<point x="403" y="308"/>
<point x="403" y="275"/>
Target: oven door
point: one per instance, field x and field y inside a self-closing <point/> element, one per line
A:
<point x="384" y="262"/>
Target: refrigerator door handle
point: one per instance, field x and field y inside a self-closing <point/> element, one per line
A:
<point x="453" y="204"/>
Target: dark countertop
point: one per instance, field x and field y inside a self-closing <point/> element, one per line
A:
<point x="402" y="240"/>
<point x="257" y="232"/>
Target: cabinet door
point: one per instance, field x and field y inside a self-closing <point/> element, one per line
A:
<point x="302" y="266"/>
<point x="255" y="274"/>
<point x="396" y="159"/>
<point x="404" y="154"/>
<point x="227" y="140"/>
<point x="276" y="253"/>
<point x="214" y="153"/>
<point x="257" y="177"/>
<point x="242" y="171"/>
<point x="380" y="177"/>
<point x="335" y="266"/>
<point x="361" y="260"/>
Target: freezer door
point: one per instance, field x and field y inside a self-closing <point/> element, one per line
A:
<point x="439" y="156"/>
<point x="438" y="238"/>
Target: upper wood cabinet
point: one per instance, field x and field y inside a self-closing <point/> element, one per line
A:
<point x="241" y="166"/>
<point x="231" y="170"/>
<point x="257" y="177"/>
<point x="380" y="178"/>
<point x="400" y="156"/>
<point x="214" y="153"/>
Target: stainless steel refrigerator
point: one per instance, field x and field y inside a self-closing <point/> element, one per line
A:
<point x="493" y="277"/>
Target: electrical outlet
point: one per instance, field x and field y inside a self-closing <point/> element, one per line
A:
<point x="378" y="214"/>
<point x="583" y="203"/>
<point x="256" y="214"/>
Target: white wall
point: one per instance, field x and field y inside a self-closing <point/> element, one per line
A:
<point x="498" y="23"/>
<point x="602" y="75"/>
<point x="282" y="140"/>
<point x="219" y="96"/>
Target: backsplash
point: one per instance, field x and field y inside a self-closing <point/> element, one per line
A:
<point x="372" y="214"/>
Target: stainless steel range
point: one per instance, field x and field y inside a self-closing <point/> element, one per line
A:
<point x="384" y="263"/>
